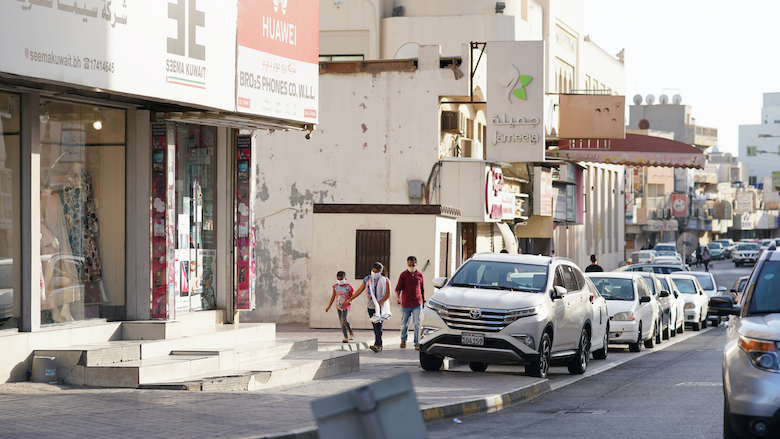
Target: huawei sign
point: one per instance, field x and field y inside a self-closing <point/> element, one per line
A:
<point x="287" y="28"/>
<point x="280" y="4"/>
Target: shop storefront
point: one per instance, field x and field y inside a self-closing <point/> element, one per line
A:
<point x="126" y="176"/>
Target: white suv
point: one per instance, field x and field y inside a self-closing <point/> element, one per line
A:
<point x="500" y="308"/>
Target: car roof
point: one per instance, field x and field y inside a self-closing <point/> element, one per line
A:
<point x="518" y="259"/>
<point x="613" y="274"/>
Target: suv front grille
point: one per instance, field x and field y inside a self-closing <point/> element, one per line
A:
<point x="491" y="320"/>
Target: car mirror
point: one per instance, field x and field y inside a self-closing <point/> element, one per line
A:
<point x="439" y="282"/>
<point x="723" y="306"/>
<point x="644" y="299"/>
<point x="721" y="288"/>
<point x="664" y="293"/>
<point x="558" y="292"/>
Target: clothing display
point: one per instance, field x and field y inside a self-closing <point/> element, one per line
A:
<point x="81" y="221"/>
<point x="59" y="269"/>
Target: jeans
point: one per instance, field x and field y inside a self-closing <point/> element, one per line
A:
<point x="345" y="328"/>
<point x="414" y="313"/>
<point x="377" y="329"/>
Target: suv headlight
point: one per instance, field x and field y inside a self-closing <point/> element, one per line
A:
<point x="427" y="330"/>
<point x="690" y="305"/>
<point x="438" y="307"/>
<point x="763" y="354"/>
<point x="515" y="314"/>
<point x="624" y="317"/>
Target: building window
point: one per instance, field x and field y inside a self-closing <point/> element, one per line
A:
<point x="751" y="151"/>
<point x="371" y="246"/>
<point x="752" y="180"/>
<point x="777" y="120"/>
<point x="10" y="186"/>
<point x="82" y="212"/>
<point x="327" y="58"/>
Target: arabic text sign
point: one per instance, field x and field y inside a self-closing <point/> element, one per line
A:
<point x="278" y="52"/>
<point x="182" y="51"/>
<point x="515" y="101"/>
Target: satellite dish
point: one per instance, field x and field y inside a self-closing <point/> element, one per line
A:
<point x="676" y="99"/>
<point x="650" y="99"/>
<point x="644" y="124"/>
<point x="663" y="100"/>
<point x="714" y="150"/>
<point x="638" y="100"/>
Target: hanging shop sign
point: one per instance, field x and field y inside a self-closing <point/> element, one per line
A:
<point x="592" y="117"/>
<point x="515" y="104"/>
<point x="244" y="277"/>
<point x="163" y="227"/>
<point x="543" y="192"/>
<point x="679" y="205"/>
<point x="278" y="59"/>
<point x="494" y="193"/>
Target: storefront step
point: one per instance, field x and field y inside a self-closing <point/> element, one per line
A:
<point x="292" y="370"/>
<point x="93" y="355"/>
<point x="188" y="324"/>
<point x="222" y="336"/>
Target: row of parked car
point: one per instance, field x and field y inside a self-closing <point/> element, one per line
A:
<point x="538" y="311"/>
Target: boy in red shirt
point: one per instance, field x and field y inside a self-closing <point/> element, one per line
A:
<point x="411" y="296"/>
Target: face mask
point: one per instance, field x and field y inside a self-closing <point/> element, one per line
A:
<point x="375" y="275"/>
<point x="342" y="281"/>
<point x="412" y="269"/>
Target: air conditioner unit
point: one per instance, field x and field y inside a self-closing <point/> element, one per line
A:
<point x="668" y="213"/>
<point x="450" y="122"/>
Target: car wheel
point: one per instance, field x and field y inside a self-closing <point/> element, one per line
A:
<point x="736" y="264"/>
<point x="430" y="362"/>
<point x="579" y="363"/>
<point x="601" y="354"/>
<point x="636" y="347"/>
<point x="658" y="333"/>
<point x="704" y="322"/>
<point x="728" y="432"/>
<point x="541" y="366"/>
<point x="681" y="329"/>
<point x="696" y="326"/>
<point x="650" y="342"/>
<point x="667" y="332"/>
<point x="477" y="366"/>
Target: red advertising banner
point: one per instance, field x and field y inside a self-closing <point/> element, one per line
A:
<point x="679" y="205"/>
<point x="244" y="294"/>
<point x="280" y="27"/>
<point x="161" y="273"/>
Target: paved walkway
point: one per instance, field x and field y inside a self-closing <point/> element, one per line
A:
<point x="54" y="411"/>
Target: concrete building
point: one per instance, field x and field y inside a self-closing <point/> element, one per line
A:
<point x="670" y="115"/>
<point x="759" y="145"/>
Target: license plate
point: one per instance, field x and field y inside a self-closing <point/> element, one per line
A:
<point x="472" y="339"/>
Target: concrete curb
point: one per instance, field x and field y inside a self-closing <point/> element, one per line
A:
<point x="487" y="404"/>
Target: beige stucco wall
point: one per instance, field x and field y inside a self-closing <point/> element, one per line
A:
<point x="334" y="250"/>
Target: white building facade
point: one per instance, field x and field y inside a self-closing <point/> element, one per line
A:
<point x="759" y="145"/>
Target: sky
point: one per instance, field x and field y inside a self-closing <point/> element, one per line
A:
<point x="720" y="56"/>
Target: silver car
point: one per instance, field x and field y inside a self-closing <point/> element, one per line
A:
<point x="751" y="362"/>
<point x="499" y="308"/>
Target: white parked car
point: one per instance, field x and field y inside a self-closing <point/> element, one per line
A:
<point x="710" y="287"/>
<point x="633" y="311"/>
<point x="501" y="308"/>
<point x="643" y="256"/>
<point x="696" y="302"/>
<point x="677" y="302"/>
<point x="599" y="339"/>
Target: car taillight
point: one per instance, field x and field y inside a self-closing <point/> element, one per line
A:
<point x="592" y="297"/>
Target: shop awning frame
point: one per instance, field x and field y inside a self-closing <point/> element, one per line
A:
<point x="634" y="150"/>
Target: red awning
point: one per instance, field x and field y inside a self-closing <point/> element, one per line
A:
<point x="634" y="150"/>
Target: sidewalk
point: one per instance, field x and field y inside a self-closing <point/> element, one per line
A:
<point x="42" y="411"/>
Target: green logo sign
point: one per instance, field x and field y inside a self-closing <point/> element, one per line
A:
<point x="512" y="79"/>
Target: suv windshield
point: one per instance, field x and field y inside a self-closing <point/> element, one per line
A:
<point x="765" y="298"/>
<point x="501" y="276"/>
<point x="685" y="286"/>
<point x="714" y="245"/>
<point x="669" y="247"/>
<point x="705" y="280"/>
<point x="614" y="289"/>
<point x="748" y="247"/>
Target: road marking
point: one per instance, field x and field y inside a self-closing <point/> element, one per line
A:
<point x="703" y="384"/>
<point x="604" y="367"/>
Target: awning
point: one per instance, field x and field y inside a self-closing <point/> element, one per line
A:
<point x="634" y="150"/>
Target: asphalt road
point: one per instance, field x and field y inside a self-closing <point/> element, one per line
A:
<point x="673" y="390"/>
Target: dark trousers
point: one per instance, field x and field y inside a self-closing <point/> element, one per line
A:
<point x="345" y="328"/>
<point x="377" y="329"/>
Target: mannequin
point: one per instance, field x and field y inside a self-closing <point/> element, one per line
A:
<point x="60" y="283"/>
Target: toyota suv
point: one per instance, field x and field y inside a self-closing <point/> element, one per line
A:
<point x="751" y="359"/>
<point x="499" y="308"/>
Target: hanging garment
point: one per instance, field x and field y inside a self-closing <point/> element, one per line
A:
<point x="81" y="220"/>
<point x="59" y="268"/>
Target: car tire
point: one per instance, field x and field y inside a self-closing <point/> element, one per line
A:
<point x="430" y="363"/>
<point x="579" y="363"/>
<point x="696" y="326"/>
<point x="636" y="347"/>
<point x="601" y="354"/>
<point x="541" y="365"/>
<point x="704" y="322"/>
<point x="476" y="366"/>
<point x="737" y="264"/>
<point x="728" y="432"/>
<point x="681" y="329"/>
<point x="658" y="333"/>
<point x="667" y="333"/>
<point x="650" y="342"/>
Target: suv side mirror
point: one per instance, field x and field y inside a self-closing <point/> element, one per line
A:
<point x="439" y="282"/>
<point x="664" y="293"/>
<point x="723" y="306"/>
<point x="558" y="292"/>
<point x="644" y="299"/>
<point x="721" y="288"/>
